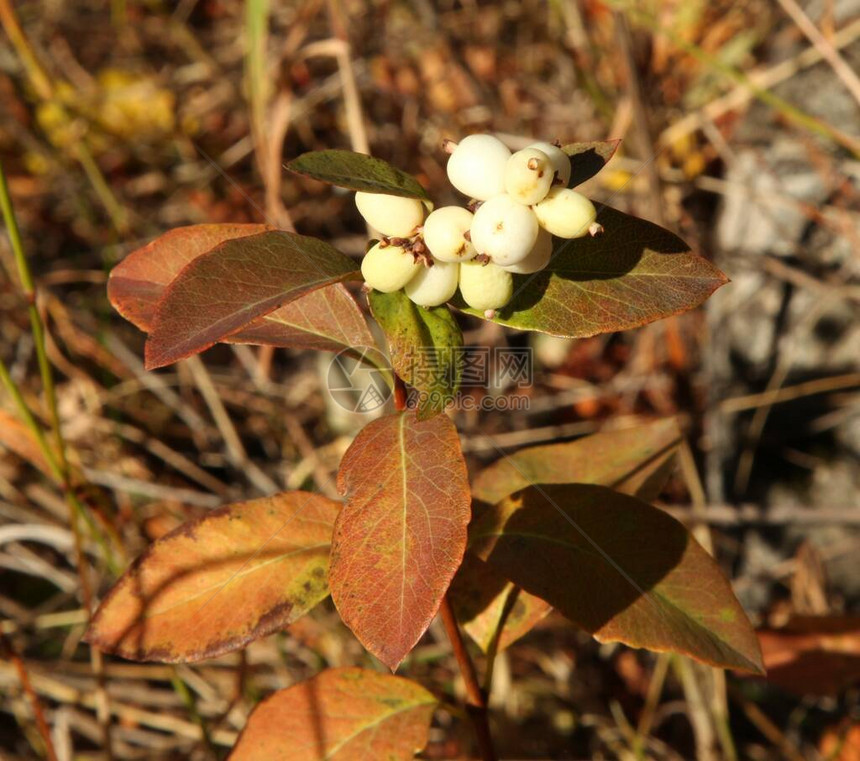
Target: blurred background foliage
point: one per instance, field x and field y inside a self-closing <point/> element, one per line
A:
<point x="120" y="119"/>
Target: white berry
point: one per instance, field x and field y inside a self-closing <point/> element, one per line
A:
<point x="538" y="257"/>
<point x="444" y="231"/>
<point x="434" y="285"/>
<point x="388" y="268"/>
<point x="485" y="286"/>
<point x="566" y="213"/>
<point x="477" y="166"/>
<point x="394" y="216"/>
<point x="504" y="230"/>
<point x="528" y="176"/>
<point x="559" y="159"/>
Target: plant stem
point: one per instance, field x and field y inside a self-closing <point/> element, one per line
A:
<point x="476" y="699"/>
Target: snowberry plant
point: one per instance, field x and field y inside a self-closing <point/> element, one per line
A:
<point x="567" y="526"/>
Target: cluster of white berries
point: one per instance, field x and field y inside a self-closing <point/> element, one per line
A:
<point x="518" y="202"/>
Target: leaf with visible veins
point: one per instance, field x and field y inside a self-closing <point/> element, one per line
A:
<point x="225" y="289"/>
<point x="356" y="171"/>
<point x="327" y="319"/>
<point x="634" y="273"/>
<point x="425" y="347"/>
<point x="619" y="568"/>
<point x="346" y="714"/>
<point x="401" y="534"/>
<point x="634" y="461"/>
<point x="219" y="582"/>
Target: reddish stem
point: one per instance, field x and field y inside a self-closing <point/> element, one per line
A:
<point x="476" y="699"/>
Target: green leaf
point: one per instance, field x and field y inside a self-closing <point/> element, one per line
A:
<point x="620" y="569"/>
<point x="425" y="347"/>
<point x="238" y="281"/>
<point x="342" y="714"/>
<point x="217" y="583"/>
<point x="356" y="171"/>
<point x="401" y="534"/>
<point x="587" y="159"/>
<point x="634" y="273"/>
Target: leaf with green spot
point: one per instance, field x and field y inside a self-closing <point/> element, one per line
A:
<point x="425" y="347"/>
<point x="619" y="568"/>
<point x="356" y="171"/>
<point x="587" y="159"/>
<point x="345" y="714"/>
<point x="219" y="582"/>
<point x="634" y="273"/>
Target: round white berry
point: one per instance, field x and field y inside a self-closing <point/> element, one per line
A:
<point x="559" y="159"/>
<point x="434" y="285"/>
<point x="394" y="216"/>
<point x="443" y="234"/>
<point x="477" y="166"/>
<point x="504" y="230"/>
<point x="538" y="257"/>
<point x="566" y="213"/>
<point x="528" y="176"/>
<point x="388" y="268"/>
<point x="485" y="286"/>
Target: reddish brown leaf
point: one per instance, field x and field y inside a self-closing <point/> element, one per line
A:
<point x="813" y="655"/>
<point x="137" y="283"/>
<point x="622" y="570"/>
<point x="214" y="584"/>
<point x="238" y="281"/>
<point x="401" y="535"/>
<point x="339" y="715"/>
<point x="327" y="319"/>
<point x="633" y="461"/>
<point x="632" y="274"/>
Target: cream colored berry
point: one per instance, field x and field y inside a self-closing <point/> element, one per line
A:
<point x="504" y="230"/>
<point x="434" y="285"/>
<point x="528" y="176"/>
<point x="566" y="213"/>
<point x="388" y="268"/>
<point x="477" y="166"/>
<point x="538" y="257"/>
<point x="444" y="231"/>
<point x="394" y="216"/>
<point x="559" y="159"/>
<point x="485" y="286"/>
